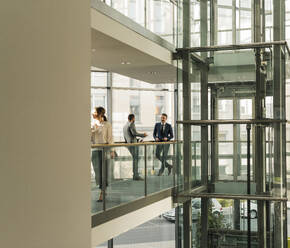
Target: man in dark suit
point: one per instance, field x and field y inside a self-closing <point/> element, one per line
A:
<point x="130" y="136"/>
<point x="163" y="132"/>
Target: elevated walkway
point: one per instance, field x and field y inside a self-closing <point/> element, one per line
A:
<point x="128" y="202"/>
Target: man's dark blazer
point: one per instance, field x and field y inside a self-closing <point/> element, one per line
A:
<point x="168" y="132"/>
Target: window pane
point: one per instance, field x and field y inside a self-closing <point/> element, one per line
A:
<point x="195" y="39"/>
<point x="195" y="10"/>
<point x="244" y="36"/>
<point x="225" y="38"/>
<point x="120" y="81"/>
<point x="245" y="3"/>
<point x="98" y="99"/>
<point x="99" y="79"/>
<point x="160" y="18"/>
<point x="225" y="109"/>
<point x="268" y="5"/>
<point x="134" y="9"/>
<point x="135" y="107"/>
<point x="225" y="2"/>
<point x="246" y="109"/>
<point x="224" y="19"/>
<point x="147" y="106"/>
<point x="245" y="19"/>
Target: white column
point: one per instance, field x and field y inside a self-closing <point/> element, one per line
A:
<point x="44" y="124"/>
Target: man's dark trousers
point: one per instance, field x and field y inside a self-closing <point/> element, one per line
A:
<point x="161" y="154"/>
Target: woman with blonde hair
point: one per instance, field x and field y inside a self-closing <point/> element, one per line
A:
<point x="101" y="134"/>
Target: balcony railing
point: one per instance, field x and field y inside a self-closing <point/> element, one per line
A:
<point x="120" y="185"/>
<point x="126" y="172"/>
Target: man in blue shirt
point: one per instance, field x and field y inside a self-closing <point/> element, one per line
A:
<point x="162" y="133"/>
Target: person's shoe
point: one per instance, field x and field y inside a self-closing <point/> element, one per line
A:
<point x="138" y="178"/>
<point x="100" y="197"/>
<point x="169" y="169"/>
<point x="160" y="173"/>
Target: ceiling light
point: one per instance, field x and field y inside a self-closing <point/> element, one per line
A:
<point x="153" y="72"/>
<point x="125" y="63"/>
<point x="93" y="50"/>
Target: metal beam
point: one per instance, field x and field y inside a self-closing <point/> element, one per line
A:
<point x="236" y="196"/>
<point x="235" y="47"/>
<point x="243" y="121"/>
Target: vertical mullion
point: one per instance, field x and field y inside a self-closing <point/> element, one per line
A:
<point x="234" y="22"/>
<point x="145" y="165"/>
<point x="109" y="97"/>
<point x="145" y="13"/>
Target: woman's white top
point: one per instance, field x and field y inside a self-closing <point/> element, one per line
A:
<point x="102" y="134"/>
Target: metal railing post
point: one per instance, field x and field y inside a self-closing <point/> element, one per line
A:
<point x="249" y="181"/>
<point x="145" y="173"/>
<point x="103" y="176"/>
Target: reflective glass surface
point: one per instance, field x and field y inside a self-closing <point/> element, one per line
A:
<point x="127" y="168"/>
<point x="123" y="170"/>
<point x="158" y="16"/>
<point x="161" y="163"/>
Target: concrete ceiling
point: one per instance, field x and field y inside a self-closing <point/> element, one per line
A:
<point x="113" y="55"/>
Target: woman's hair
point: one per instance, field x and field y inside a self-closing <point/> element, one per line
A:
<point x="101" y="112"/>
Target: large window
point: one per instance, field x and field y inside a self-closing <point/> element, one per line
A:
<point x="234" y="22"/>
<point x="129" y="96"/>
<point x="159" y="16"/>
<point x="98" y="90"/>
<point x="135" y="107"/>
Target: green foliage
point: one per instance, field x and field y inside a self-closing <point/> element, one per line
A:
<point x="215" y="221"/>
<point x="225" y="202"/>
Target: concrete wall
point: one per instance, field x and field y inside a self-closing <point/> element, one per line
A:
<point x="44" y="130"/>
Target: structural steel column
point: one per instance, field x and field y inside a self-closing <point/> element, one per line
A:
<point x="257" y="20"/>
<point x="187" y="158"/>
<point x="204" y="116"/>
<point x="278" y="99"/>
<point x="204" y="155"/>
<point x="283" y="105"/>
<point x="260" y="152"/>
<point x="237" y="160"/>
<point x="187" y="153"/>
<point x="111" y="243"/>
<point x="234" y="24"/>
<point x="260" y="149"/>
<point x="213" y="29"/>
<point x="214" y="144"/>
